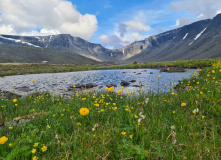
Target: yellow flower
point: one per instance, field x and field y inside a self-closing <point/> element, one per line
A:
<point x="159" y="76"/>
<point x="174" y="111"/>
<point x="34" y="158"/>
<point x="15" y="100"/>
<point x="203" y="117"/>
<point x="201" y="92"/>
<point x="213" y="71"/>
<point x="111" y="89"/>
<point x="183" y="104"/>
<point x="44" y="148"/>
<point x="96" y="105"/>
<point x="13" y="89"/>
<point x="102" y="110"/>
<point x="3" y="140"/>
<point x="119" y="91"/>
<point x="135" y="116"/>
<point x="79" y="124"/>
<point x="123" y="133"/>
<point x="114" y="104"/>
<point x="131" y="136"/>
<point x="33" y="80"/>
<point x="122" y="87"/>
<point x="84" y="111"/>
<point x="33" y="151"/>
<point x="35" y="145"/>
<point x="74" y="86"/>
<point x="10" y="127"/>
<point x="9" y="144"/>
<point x="165" y="84"/>
<point x="197" y="82"/>
<point x="173" y="93"/>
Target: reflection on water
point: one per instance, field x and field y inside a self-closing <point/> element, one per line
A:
<point x="59" y="82"/>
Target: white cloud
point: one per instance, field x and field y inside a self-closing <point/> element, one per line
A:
<point x="137" y="36"/>
<point x="204" y="8"/>
<point x="54" y="16"/>
<point x="49" y="31"/>
<point x="137" y="26"/>
<point x="182" y="21"/>
<point x="111" y="41"/>
<point x="6" y="29"/>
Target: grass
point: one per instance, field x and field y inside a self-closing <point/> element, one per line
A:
<point x="181" y="125"/>
<point x="7" y="69"/>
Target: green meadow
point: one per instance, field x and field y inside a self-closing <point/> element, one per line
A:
<point x="7" y="69"/>
<point x="115" y="124"/>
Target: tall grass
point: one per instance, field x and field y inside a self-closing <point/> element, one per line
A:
<point x="181" y="125"/>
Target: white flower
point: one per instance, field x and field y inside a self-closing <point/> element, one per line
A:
<point x="141" y="115"/>
<point x="196" y="110"/>
<point x="95" y="126"/>
<point x="172" y="127"/>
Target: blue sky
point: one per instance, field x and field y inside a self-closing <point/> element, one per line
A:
<point x="112" y="23"/>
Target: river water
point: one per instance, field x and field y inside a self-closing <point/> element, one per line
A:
<point x="59" y="82"/>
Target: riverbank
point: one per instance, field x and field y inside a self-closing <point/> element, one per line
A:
<point x="106" y="125"/>
<point x="7" y="69"/>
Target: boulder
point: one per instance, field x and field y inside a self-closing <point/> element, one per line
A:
<point x="8" y="95"/>
<point x="111" y="85"/>
<point x="124" y="83"/>
<point x="132" y="81"/>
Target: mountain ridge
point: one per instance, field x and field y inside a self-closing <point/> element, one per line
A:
<point x="198" y="40"/>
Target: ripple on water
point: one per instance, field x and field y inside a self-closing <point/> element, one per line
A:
<point x="59" y="82"/>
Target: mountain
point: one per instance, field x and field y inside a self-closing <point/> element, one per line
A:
<point x="198" y="40"/>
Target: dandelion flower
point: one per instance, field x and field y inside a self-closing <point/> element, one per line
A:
<point x="34" y="158"/>
<point x="13" y="89"/>
<point x="3" y="140"/>
<point x="119" y="91"/>
<point x="10" y="127"/>
<point x="183" y="104"/>
<point x="33" y="151"/>
<point x="35" y="145"/>
<point x="15" y="100"/>
<point x="158" y="76"/>
<point x="84" y="111"/>
<point x="33" y="80"/>
<point x="123" y="133"/>
<point x="131" y="136"/>
<point x="44" y="148"/>
<point x="111" y="89"/>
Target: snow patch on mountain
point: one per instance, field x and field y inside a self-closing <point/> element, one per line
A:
<point x="18" y="41"/>
<point x="197" y="36"/>
<point x="185" y="36"/>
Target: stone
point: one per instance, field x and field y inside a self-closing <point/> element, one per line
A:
<point x="124" y="83"/>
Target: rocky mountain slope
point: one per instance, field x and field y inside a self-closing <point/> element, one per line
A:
<point x="198" y="40"/>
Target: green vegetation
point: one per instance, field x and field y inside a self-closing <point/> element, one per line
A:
<point x="115" y="125"/>
<point x="7" y="69"/>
